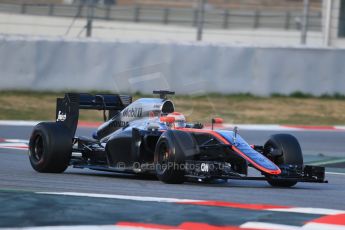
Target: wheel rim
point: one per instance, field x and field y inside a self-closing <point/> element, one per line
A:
<point x="37" y="150"/>
<point x="163" y="157"/>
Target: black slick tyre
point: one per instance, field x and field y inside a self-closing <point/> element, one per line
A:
<point x="50" y="147"/>
<point x="172" y="149"/>
<point x="283" y="149"/>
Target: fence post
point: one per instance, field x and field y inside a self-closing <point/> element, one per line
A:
<point x="107" y="12"/>
<point x="23" y="8"/>
<point x="195" y="17"/>
<point x="287" y="20"/>
<point x="200" y="21"/>
<point x="137" y="14"/>
<point x="90" y="12"/>
<point x="226" y="19"/>
<point x="166" y="15"/>
<point x="51" y="9"/>
<point x="256" y="19"/>
<point x="327" y="28"/>
<point x="305" y="22"/>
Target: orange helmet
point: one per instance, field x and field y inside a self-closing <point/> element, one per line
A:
<point x="179" y="119"/>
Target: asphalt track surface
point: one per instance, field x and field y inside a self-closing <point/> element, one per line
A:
<point x="19" y="182"/>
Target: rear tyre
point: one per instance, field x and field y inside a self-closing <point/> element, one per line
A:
<point x="172" y="149"/>
<point x="283" y="149"/>
<point x="50" y="147"/>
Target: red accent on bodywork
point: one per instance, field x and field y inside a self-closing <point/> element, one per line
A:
<point x="213" y="133"/>
<point x="269" y="171"/>
<point x="223" y="140"/>
<point x="217" y="120"/>
<point x="234" y="205"/>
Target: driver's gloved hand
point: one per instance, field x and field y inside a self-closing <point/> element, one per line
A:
<point x="198" y="126"/>
<point x="195" y="126"/>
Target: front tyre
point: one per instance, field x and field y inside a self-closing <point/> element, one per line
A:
<point x="172" y="149"/>
<point x="50" y="147"/>
<point x="283" y="149"/>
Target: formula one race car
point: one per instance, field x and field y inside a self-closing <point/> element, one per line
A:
<point x="149" y="137"/>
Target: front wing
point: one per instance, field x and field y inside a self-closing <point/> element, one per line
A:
<point x="205" y="170"/>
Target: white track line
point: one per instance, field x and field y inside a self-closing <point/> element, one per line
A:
<point x="317" y="211"/>
<point x="340" y="127"/>
<point x="308" y="226"/>
<point x="121" y="197"/>
<point x="23" y="149"/>
<point x="262" y="225"/>
<point x="16" y="141"/>
<point x="335" y="173"/>
<point x="20" y="146"/>
<point x="319" y="226"/>
<point x="320" y="211"/>
<point x="263" y="127"/>
<point x="17" y="144"/>
<point x="19" y="123"/>
<point x="335" y="161"/>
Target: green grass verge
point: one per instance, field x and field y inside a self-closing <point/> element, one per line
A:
<point x="240" y="108"/>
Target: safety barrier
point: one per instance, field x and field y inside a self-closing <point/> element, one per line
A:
<point x="188" y="68"/>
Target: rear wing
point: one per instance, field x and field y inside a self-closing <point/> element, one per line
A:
<point x="67" y="108"/>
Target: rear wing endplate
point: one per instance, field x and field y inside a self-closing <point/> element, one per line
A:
<point x="67" y="108"/>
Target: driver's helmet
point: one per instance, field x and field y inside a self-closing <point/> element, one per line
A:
<point x="180" y="120"/>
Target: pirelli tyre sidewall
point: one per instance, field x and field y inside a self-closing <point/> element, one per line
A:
<point x="50" y="147"/>
<point x="287" y="151"/>
<point x="172" y="149"/>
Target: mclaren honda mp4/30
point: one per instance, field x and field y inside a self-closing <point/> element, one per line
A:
<point x="147" y="136"/>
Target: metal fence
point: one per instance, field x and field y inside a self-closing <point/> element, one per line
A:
<point x="214" y="18"/>
<point x="301" y="18"/>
